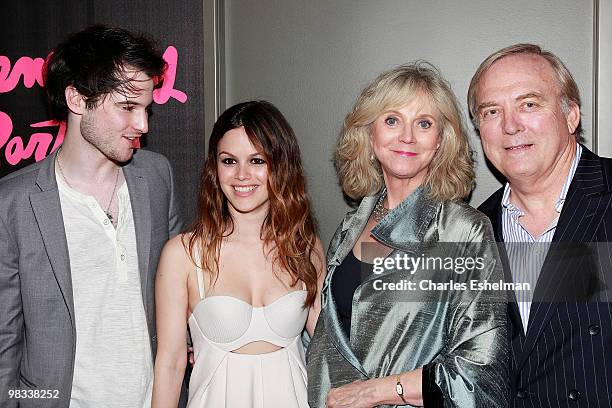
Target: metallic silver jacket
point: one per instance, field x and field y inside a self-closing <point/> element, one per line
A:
<point x="459" y="337"/>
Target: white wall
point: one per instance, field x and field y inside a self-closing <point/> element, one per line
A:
<point x="312" y="58"/>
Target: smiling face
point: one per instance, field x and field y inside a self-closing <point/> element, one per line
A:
<point x="524" y="131"/>
<point x="405" y="141"/>
<point x="114" y="126"/>
<point x="242" y="172"/>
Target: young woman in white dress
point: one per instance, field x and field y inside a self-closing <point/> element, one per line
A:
<point x="247" y="274"/>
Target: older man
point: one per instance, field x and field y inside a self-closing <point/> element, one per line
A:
<point x="526" y="106"/>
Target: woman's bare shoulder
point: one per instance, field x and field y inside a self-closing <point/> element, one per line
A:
<point x="176" y="254"/>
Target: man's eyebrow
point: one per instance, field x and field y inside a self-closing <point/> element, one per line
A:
<point x="530" y="95"/>
<point x="518" y="98"/>
<point x="485" y="105"/>
<point x="129" y="102"/>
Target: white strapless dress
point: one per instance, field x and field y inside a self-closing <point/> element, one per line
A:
<point x="221" y="378"/>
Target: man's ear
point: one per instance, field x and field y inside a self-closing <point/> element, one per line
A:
<point x="573" y="118"/>
<point x="75" y="101"/>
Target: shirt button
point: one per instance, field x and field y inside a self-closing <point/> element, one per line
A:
<point x="574" y="395"/>
<point x="521" y="393"/>
<point x="105" y="222"/>
<point x="92" y="204"/>
<point x="594" y="329"/>
<point x="122" y="257"/>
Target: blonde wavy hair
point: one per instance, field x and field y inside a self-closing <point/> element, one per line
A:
<point x="451" y="172"/>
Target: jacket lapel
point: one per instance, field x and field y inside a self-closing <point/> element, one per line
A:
<point x="410" y="219"/>
<point x="351" y="229"/>
<point x="139" y="198"/>
<point x="492" y="208"/>
<point x="48" y="214"/>
<point x="578" y="222"/>
<point x="584" y="207"/>
<point x="407" y="223"/>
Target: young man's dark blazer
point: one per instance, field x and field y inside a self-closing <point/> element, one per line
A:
<point x="565" y="358"/>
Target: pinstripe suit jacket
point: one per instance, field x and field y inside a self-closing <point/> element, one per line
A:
<point x="565" y="357"/>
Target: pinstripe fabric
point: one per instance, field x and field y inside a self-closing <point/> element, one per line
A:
<point x="526" y="253"/>
<point x="564" y="359"/>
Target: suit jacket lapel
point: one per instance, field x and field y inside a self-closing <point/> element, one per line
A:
<point x="492" y="208"/>
<point x="139" y="198"/>
<point x="48" y="213"/>
<point x="578" y="222"/>
<point x="583" y="208"/>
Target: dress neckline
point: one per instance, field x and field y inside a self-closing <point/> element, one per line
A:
<point x="301" y="291"/>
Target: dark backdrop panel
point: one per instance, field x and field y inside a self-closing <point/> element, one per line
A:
<point x="32" y="28"/>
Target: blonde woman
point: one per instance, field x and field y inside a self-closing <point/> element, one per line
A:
<point x="382" y="338"/>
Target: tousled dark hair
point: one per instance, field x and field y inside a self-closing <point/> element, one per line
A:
<point x="289" y="227"/>
<point x="96" y="61"/>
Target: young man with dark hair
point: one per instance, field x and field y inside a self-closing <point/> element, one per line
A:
<point x="82" y="233"/>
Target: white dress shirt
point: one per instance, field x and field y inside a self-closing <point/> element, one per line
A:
<point x="527" y="253"/>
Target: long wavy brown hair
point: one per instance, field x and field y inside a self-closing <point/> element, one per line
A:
<point x="289" y="229"/>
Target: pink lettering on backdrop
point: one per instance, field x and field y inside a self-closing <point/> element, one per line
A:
<point x="167" y="91"/>
<point x="26" y="67"/>
<point x="38" y="144"/>
<point x="30" y="69"/>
